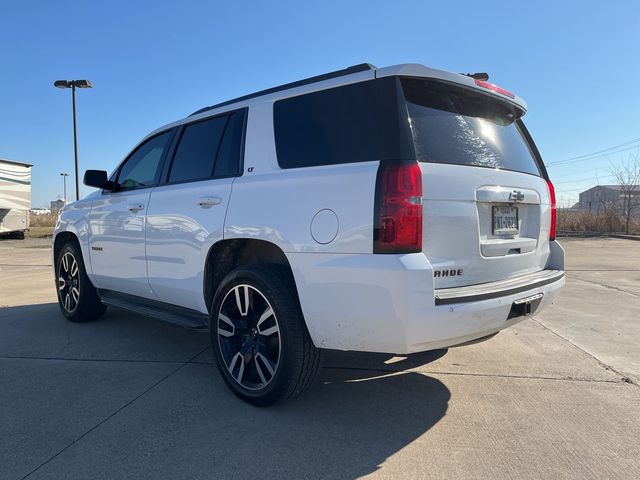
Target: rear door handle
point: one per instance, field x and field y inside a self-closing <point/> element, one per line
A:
<point x="208" y="202"/>
<point x="136" y="207"/>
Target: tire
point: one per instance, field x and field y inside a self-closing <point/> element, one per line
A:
<point x="259" y="338"/>
<point x="77" y="297"/>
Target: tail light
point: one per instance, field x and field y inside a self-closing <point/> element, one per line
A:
<point x="397" y="223"/>
<point x="554" y="218"/>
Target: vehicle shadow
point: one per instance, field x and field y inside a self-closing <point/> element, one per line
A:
<point x="363" y="410"/>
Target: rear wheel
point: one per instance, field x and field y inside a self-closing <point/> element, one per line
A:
<point x="77" y="297"/>
<point x="261" y="344"/>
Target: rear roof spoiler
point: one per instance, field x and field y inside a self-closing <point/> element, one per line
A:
<point x="467" y="80"/>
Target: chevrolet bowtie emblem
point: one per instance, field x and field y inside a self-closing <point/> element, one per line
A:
<point x="516" y="196"/>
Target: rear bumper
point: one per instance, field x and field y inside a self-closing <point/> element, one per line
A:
<point x="387" y="303"/>
<point x="502" y="288"/>
<point x="469" y="320"/>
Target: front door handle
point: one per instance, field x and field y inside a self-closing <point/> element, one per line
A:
<point x="208" y="202"/>
<point x="136" y="207"/>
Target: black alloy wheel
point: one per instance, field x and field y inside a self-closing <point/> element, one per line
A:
<point x="259" y="337"/>
<point x="77" y="297"/>
<point x="69" y="282"/>
<point x="249" y="337"/>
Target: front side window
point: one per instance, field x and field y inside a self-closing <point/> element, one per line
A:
<point x="142" y="168"/>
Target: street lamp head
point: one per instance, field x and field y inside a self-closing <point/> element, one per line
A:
<point x="64" y="174"/>
<point x="72" y="83"/>
<point x="62" y="83"/>
<point x="82" y="83"/>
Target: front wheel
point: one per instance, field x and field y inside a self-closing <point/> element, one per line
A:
<point x="77" y="297"/>
<point x="259" y="337"/>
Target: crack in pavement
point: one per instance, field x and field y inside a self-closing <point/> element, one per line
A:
<point x="602" y="270"/>
<point x="174" y="371"/>
<point x="607" y="286"/>
<point x="624" y="378"/>
<point x="22" y="266"/>
<point x="114" y="360"/>
<point x="472" y="374"/>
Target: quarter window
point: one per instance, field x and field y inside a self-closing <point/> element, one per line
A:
<point x="353" y="123"/>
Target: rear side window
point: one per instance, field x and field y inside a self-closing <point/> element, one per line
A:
<point x="228" y="161"/>
<point x="454" y="125"/>
<point x="196" y="154"/>
<point x="209" y="148"/>
<point x="353" y="123"/>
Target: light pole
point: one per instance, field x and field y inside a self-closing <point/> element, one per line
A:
<point x="72" y="84"/>
<point x="64" y="182"/>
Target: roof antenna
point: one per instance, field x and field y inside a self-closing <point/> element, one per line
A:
<point x="478" y="76"/>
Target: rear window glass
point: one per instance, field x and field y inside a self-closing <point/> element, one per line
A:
<point x="353" y="123"/>
<point x="453" y="125"/>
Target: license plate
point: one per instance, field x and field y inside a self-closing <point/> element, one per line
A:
<point x="504" y="220"/>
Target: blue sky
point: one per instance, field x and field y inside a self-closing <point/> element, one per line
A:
<point x="576" y="63"/>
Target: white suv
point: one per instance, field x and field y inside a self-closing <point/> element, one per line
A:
<point x="394" y="210"/>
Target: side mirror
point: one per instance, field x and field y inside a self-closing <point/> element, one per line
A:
<point x="98" y="179"/>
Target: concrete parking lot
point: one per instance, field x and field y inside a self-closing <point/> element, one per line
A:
<point x="556" y="396"/>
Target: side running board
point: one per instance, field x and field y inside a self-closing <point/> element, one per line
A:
<point x="180" y="316"/>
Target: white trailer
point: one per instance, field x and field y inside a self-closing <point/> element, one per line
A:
<point x="15" y="197"/>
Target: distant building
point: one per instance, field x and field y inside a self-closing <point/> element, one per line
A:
<point x="56" y="205"/>
<point x="602" y="197"/>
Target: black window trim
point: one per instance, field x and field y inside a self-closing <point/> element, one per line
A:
<point x="524" y="131"/>
<point x="156" y="181"/>
<point x="168" y="163"/>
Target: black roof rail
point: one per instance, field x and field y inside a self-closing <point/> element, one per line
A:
<point x="362" y="67"/>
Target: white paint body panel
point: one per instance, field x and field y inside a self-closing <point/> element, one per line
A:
<point x="117" y="242"/>
<point x="351" y="298"/>
<point x="179" y="235"/>
<point x="457" y="223"/>
<point x="386" y="303"/>
<point x="278" y="205"/>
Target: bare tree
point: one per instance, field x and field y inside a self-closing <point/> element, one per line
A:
<point x="627" y="177"/>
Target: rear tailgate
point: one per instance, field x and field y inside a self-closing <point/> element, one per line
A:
<point x="458" y="225"/>
<point x="486" y="203"/>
